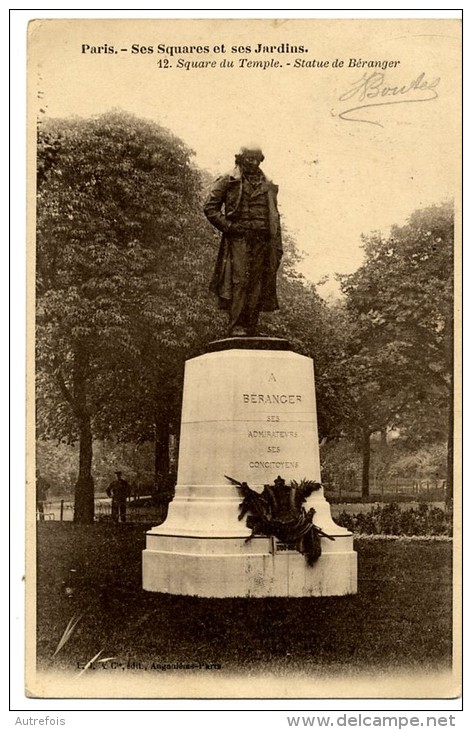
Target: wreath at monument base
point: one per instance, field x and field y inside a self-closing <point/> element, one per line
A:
<point x="278" y="512"/>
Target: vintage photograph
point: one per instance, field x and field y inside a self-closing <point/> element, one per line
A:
<point x="244" y="386"/>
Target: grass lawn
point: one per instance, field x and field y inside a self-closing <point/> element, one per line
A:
<point x="400" y="618"/>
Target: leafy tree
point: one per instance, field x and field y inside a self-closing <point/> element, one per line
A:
<point x="371" y="397"/>
<point x="119" y="260"/>
<point x="401" y="304"/>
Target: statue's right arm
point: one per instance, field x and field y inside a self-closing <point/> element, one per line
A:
<point x="214" y="205"/>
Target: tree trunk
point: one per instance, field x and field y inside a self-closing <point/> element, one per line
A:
<point x="365" y="463"/>
<point x="84" y="504"/>
<point x="383" y="436"/>
<point x="84" y="507"/>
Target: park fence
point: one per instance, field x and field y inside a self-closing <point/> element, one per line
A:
<point x="143" y="510"/>
<point x="380" y="490"/>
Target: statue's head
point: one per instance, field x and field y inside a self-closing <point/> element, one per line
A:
<point x="279" y="482"/>
<point x="249" y="157"/>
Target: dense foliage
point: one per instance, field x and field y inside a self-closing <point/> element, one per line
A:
<point x="399" y="363"/>
<point x="120" y="268"/>
<point x="390" y="519"/>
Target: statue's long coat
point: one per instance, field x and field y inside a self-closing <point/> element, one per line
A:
<point x="222" y="209"/>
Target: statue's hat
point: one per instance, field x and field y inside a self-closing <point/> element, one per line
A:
<point x="251" y="148"/>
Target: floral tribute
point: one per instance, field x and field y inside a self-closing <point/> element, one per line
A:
<point x="278" y="511"/>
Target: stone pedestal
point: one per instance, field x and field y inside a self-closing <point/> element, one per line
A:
<point x="248" y="413"/>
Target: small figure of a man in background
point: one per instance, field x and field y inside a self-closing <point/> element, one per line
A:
<point x="42" y="489"/>
<point x="243" y="206"/>
<point x="119" y="491"/>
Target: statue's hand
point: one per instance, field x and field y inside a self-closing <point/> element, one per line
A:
<point x="236" y="229"/>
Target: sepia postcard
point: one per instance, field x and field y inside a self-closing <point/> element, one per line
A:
<point x="170" y="156"/>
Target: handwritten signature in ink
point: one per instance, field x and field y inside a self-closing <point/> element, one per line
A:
<point x="372" y="91"/>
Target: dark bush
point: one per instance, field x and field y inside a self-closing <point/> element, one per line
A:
<point x="390" y="519"/>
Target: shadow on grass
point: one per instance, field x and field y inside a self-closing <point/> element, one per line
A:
<point x="401" y="617"/>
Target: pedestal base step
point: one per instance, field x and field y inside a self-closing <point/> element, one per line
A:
<point x="231" y="567"/>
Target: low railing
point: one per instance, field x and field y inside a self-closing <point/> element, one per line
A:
<point x="387" y="491"/>
<point x="140" y="510"/>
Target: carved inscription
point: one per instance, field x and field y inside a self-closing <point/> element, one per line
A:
<point x="271" y="399"/>
<point x="275" y="441"/>
<point x="273" y="464"/>
<point x="272" y="434"/>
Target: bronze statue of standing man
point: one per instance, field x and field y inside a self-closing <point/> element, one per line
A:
<point x="243" y="206"/>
